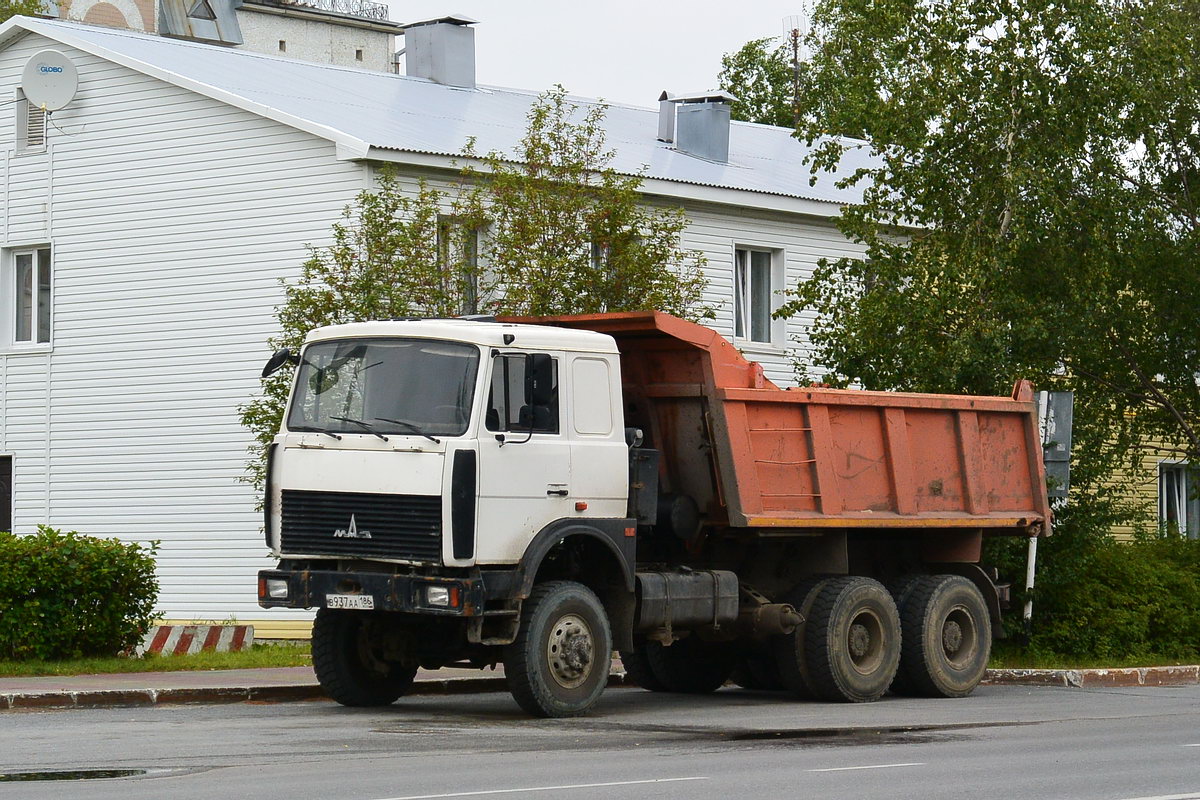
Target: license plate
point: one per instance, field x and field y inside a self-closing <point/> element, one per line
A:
<point x="363" y="602"/>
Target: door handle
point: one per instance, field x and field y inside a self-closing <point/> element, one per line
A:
<point x="557" y="491"/>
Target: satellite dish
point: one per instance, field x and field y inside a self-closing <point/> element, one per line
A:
<point x="49" y="80"/>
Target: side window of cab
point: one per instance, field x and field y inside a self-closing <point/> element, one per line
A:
<point x="523" y="396"/>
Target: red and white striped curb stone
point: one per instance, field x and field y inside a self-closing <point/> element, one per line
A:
<point x="186" y="639"/>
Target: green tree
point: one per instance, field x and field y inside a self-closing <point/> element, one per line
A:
<point x="29" y="8"/>
<point x="564" y="234"/>
<point x="568" y="234"/>
<point x="1031" y="208"/>
<point x="762" y="77"/>
<point x="393" y="255"/>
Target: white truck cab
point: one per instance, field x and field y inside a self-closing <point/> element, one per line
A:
<point x="390" y="419"/>
<point x="427" y="474"/>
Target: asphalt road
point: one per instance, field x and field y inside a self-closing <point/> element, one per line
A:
<point x="1003" y="742"/>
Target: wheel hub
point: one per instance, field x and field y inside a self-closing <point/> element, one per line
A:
<point x="952" y="637"/>
<point x="860" y="640"/>
<point x="569" y="651"/>
<point x="864" y="642"/>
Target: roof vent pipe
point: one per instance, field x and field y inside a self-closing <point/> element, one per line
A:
<point x="442" y="50"/>
<point x="702" y="125"/>
<point x="666" y="117"/>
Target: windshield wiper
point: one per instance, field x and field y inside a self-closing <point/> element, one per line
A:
<point x="311" y="429"/>
<point x="364" y="425"/>
<point x="410" y="426"/>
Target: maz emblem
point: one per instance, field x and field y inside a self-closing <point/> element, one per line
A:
<point x="352" y="532"/>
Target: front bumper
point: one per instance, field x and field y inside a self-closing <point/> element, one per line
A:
<point x="388" y="592"/>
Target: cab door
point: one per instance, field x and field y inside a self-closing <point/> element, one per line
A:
<point x="524" y="455"/>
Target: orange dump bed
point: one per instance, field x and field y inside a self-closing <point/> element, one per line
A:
<point x="755" y="455"/>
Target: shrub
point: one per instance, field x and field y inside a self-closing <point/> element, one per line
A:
<point x="63" y="595"/>
<point x="1097" y="598"/>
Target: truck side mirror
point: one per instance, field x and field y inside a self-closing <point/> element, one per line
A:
<point x="282" y="356"/>
<point x="539" y="379"/>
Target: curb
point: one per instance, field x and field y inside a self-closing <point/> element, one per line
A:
<point x="133" y="698"/>
<point x="1095" y="678"/>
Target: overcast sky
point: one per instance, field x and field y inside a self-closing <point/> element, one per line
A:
<point x="626" y="51"/>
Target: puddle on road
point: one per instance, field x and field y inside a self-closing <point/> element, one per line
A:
<point x="847" y="737"/>
<point x="71" y="775"/>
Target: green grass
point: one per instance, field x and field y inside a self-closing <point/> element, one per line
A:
<point x="1011" y="656"/>
<point x="258" y="656"/>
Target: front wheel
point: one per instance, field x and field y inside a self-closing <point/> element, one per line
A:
<point x="348" y="658"/>
<point x="559" y="663"/>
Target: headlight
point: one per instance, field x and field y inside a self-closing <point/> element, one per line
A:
<point x="437" y="596"/>
<point x="277" y="589"/>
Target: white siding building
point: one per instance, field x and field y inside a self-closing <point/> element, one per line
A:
<point x="145" y="227"/>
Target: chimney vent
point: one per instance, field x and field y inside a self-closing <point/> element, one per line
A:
<point x="702" y="125"/>
<point x="666" y="117"/>
<point x="442" y="50"/>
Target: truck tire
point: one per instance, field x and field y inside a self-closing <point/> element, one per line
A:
<point x="691" y="665"/>
<point x="947" y="637"/>
<point x="348" y="661"/>
<point x="789" y="648"/>
<point x="852" y="640"/>
<point x="901" y="589"/>
<point x="559" y="663"/>
<point x="637" y="669"/>
<point x="758" y="671"/>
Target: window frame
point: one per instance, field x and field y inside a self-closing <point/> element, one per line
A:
<point x="505" y="426"/>
<point x="449" y="227"/>
<point x="42" y="299"/>
<point x="743" y="296"/>
<point x="1187" y="504"/>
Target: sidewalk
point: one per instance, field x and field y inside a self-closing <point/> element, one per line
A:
<point x="298" y="683"/>
<point x="213" y="686"/>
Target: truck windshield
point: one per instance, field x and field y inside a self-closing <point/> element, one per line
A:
<point x="396" y="386"/>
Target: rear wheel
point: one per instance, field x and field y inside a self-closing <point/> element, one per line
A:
<point x="637" y="669"/>
<point x="691" y="665"/>
<point x="947" y="637"/>
<point x="348" y="658"/>
<point x="852" y="640"/>
<point x="758" y="671"/>
<point x="559" y="663"/>
<point x="901" y="590"/>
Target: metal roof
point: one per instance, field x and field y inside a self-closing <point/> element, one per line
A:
<point x="373" y="112"/>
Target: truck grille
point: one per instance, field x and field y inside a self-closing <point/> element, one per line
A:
<point x="407" y="527"/>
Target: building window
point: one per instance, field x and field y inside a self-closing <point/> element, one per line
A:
<point x="358" y="55"/>
<point x="31" y="275"/>
<point x="458" y="251"/>
<point x="6" y="493"/>
<point x="753" y="288"/>
<point x="1178" y="504"/>
<point x="30" y="125"/>
<point x="282" y="45"/>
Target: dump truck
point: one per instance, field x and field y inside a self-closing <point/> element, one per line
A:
<point x="540" y="493"/>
